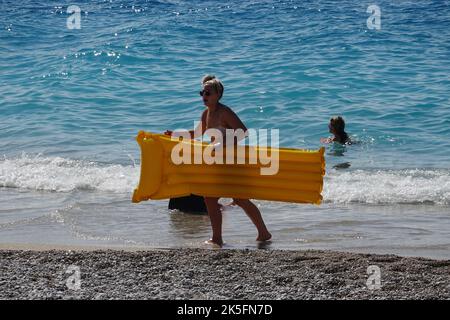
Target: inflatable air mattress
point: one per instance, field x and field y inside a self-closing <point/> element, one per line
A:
<point x="298" y="178"/>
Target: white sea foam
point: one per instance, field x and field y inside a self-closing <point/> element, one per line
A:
<point x="65" y="175"/>
<point x="388" y="186"/>
<point x="57" y="174"/>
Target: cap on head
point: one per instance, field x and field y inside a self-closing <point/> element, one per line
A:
<point x="215" y="83"/>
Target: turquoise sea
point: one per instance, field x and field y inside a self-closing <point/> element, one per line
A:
<point x="73" y="100"/>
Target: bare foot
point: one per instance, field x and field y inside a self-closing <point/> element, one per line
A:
<point x="264" y="237"/>
<point x="213" y="243"/>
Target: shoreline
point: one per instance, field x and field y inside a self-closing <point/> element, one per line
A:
<point x="184" y="273"/>
<point x="202" y="246"/>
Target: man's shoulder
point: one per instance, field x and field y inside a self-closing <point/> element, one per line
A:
<point x="227" y="109"/>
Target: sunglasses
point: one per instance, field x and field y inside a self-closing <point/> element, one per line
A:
<point x="205" y="93"/>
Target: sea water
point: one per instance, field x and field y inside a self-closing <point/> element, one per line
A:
<point x="76" y="88"/>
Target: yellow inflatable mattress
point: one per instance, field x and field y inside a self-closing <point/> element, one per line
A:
<point x="298" y="178"/>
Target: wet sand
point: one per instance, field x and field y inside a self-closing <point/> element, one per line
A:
<point x="216" y="274"/>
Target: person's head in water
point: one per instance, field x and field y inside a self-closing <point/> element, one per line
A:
<point x="337" y="128"/>
<point x="212" y="90"/>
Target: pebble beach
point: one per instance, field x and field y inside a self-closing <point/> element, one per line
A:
<point x="80" y="80"/>
<point x="217" y="274"/>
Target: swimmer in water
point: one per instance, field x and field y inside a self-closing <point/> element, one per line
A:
<point x="337" y="128"/>
<point x="219" y="116"/>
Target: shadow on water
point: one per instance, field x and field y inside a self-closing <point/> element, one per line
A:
<point x="338" y="150"/>
<point x="264" y="245"/>
<point x="189" y="224"/>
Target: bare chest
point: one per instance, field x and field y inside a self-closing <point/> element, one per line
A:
<point x="215" y="120"/>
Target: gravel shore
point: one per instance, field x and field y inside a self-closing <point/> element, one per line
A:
<point x="217" y="274"/>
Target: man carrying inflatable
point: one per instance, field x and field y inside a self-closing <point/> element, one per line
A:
<point x="220" y="117"/>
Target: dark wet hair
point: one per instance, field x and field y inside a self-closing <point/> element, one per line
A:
<point x="338" y="124"/>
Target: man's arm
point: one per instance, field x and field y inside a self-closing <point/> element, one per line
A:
<point x="201" y="127"/>
<point x="197" y="132"/>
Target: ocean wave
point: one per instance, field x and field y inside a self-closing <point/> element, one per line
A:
<point x="56" y="174"/>
<point x="408" y="186"/>
<point x="65" y="175"/>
